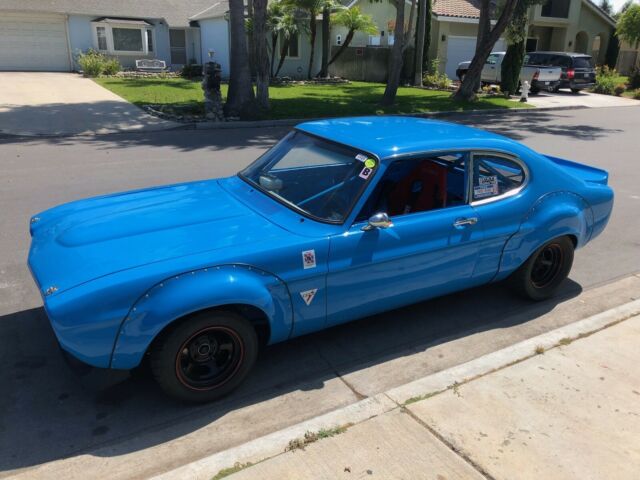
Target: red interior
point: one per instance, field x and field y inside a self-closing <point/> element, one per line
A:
<point x="432" y="178"/>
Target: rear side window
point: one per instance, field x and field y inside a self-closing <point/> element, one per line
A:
<point x="582" y="62"/>
<point x="494" y="175"/>
<point x="560" y="61"/>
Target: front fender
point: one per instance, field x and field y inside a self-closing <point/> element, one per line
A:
<point x="190" y="292"/>
<point x="553" y="215"/>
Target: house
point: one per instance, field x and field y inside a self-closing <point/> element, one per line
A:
<point x="38" y="35"/>
<point x="561" y="25"/>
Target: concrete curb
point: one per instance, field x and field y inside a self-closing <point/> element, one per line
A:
<point x="275" y="443"/>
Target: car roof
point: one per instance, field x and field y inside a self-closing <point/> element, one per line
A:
<point x="390" y="136"/>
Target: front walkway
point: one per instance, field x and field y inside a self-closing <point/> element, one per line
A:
<point x="572" y="412"/>
<point x="583" y="99"/>
<point x="37" y="103"/>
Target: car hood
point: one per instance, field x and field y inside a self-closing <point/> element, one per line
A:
<point x="87" y="239"/>
<point x="464" y="64"/>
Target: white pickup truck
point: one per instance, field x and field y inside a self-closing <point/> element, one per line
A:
<point x="540" y="78"/>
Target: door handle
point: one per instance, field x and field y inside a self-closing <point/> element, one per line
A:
<point x="461" y="222"/>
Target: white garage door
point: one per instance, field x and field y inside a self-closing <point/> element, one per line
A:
<point x="33" y="41"/>
<point x="461" y="49"/>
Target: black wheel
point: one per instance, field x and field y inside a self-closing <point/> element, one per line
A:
<point x="534" y="90"/>
<point x="575" y="90"/>
<point x="205" y="356"/>
<point x="543" y="272"/>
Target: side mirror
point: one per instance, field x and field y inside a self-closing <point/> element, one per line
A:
<point x="378" y="220"/>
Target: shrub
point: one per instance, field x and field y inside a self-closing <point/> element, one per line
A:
<point x="192" y="70"/>
<point x="434" y="79"/>
<point x="636" y="94"/>
<point x="605" y="81"/>
<point x="111" y="66"/>
<point x="619" y="90"/>
<point x="634" y="78"/>
<point x="94" y="64"/>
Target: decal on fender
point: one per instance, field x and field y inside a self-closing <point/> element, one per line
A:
<point x="309" y="259"/>
<point x="308" y="295"/>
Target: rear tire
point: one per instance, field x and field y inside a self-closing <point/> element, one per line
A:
<point x="534" y="90"/>
<point x="575" y="91"/>
<point x="205" y="356"/>
<point x="544" y="271"/>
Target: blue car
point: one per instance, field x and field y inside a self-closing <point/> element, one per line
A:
<point x="342" y="219"/>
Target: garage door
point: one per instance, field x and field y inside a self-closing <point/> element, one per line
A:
<point x="30" y="41"/>
<point x="461" y="49"/>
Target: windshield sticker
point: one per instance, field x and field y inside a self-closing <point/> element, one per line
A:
<point x="366" y="171"/>
<point x="370" y="163"/>
<point x="309" y="259"/>
<point x="361" y="157"/>
<point x="488" y="187"/>
<point x="308" y="296"/>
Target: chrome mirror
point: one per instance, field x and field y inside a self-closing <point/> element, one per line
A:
<point x="378" y="220"/>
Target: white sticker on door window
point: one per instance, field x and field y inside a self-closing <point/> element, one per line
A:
<point x="309" y="259"/>
<point x="308" y="296"/>
<point x="488" y="186"/>
<point x="361" y="157"/>
<point x="366" y="171"/>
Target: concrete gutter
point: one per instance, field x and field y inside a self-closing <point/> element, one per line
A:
<point x="275" y="443"/>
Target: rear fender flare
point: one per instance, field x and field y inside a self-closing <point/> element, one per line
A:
<point x="190" y="292"/>
<point x="553" y="215"/>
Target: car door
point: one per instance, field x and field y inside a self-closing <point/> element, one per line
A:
<point x="491" y="68"/>
<point x="500" y="202"/>
<point x="422" y="255"/>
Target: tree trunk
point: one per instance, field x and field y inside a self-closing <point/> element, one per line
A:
<point x="251" y="41"/>
<point x="312" y="42"/>
<point x="326" y="41"/>
<point x="261" y="53"/>
<point x="283" y="53"/>
<point x="395" y="62"/>
<point x="487" y="37"/>
<point x="240" y="98"/>
<point x="343" y="47"/>
<point x="427" y="35"/>
<point x="407" y="34"/>
<point x="274" y="45"/>
<point x="419" y="53"/>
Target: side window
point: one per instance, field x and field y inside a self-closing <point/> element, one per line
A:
<point x="494" y="175"/>
<point x="418" y="185"/>
<point x="492" y="59"/>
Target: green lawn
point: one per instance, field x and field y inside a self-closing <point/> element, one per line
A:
<point x="301" y="101"/>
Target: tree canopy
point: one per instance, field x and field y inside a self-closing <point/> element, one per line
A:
<point x="629" y="25"/>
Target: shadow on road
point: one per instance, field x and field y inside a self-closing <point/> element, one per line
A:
<point x="47" y="414"/>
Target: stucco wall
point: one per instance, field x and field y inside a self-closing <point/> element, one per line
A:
<point x="297" y="67"/>
<point x="214" y="36"/>
<point x="81" y="39"/>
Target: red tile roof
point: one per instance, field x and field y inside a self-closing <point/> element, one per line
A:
<point x="457" y="8"/>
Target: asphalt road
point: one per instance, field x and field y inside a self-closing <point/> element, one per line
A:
<point x="47" y="414"/>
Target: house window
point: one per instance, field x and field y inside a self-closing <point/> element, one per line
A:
<point x="149" y="40"/>
<point x="556" y="9"/>
<point x="101" y="33"/>
<point x="294" y="46"/>
<point x="127" y="40"/>
<point x="119" y="38"/>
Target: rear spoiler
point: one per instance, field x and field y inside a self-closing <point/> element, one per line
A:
<point x="583" y="172"/>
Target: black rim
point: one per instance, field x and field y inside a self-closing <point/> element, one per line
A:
<point x="209" y="358"/>
<point x="547" y="266"/>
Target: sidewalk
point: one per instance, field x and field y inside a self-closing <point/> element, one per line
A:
<point x="572" y="412"/>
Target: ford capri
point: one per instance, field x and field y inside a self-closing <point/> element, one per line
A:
<point x="340" y="220"/>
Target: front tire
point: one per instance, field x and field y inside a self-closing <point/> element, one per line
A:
<point x="204" y="357"/>
<point x="541" y="275"/>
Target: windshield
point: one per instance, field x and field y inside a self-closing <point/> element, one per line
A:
<point x="314" y="176"/>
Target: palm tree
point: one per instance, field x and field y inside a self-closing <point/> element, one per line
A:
<point x="261" y="55"/>
<point x="395" y="64"/>
<point x="287" y="28"/>
<point x="240" y="97"/>
<point x="275" y="12"/>
<point x="355" y="21"/>
<point x="312" y="8"/>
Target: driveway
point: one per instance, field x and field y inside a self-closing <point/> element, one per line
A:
<point x="582" y="99"/>
<point x="65" y="104"/>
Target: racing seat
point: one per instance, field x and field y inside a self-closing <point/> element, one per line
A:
<point x="424" y="188"/>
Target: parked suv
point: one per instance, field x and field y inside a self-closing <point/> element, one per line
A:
<point x="578" y="71"/>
